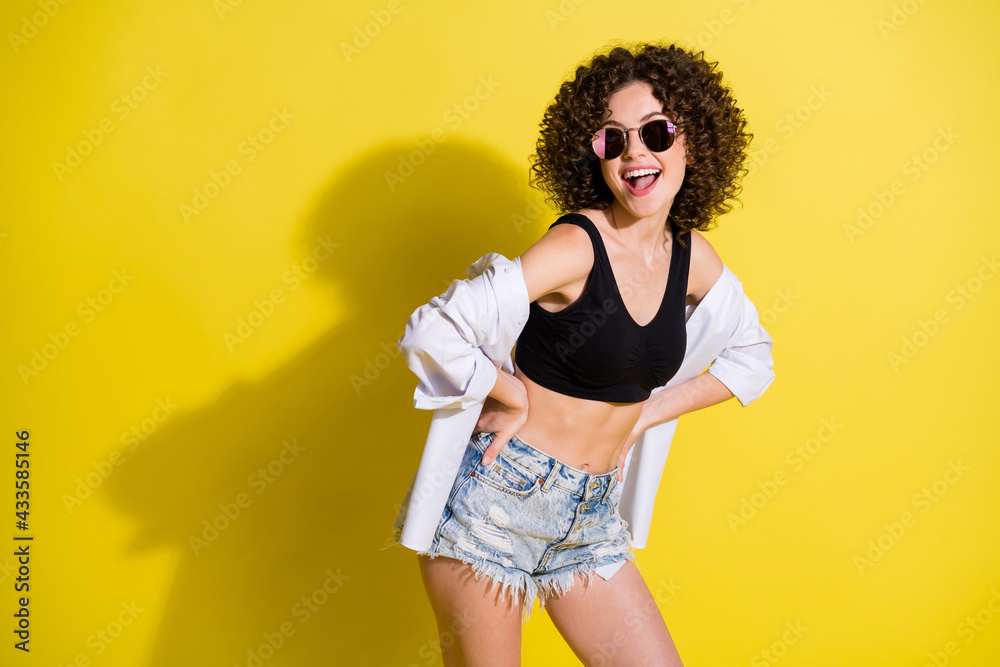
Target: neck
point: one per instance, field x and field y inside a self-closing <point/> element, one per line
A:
<point x="643" y="232"/>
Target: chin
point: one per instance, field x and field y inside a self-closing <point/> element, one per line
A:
<point x="646" y="206"/>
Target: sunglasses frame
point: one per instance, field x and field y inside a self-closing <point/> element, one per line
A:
<point x="671" y="131"/>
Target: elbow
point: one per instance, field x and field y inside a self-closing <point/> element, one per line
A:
<point x="416" y="335"/>
<point x="413" y="343"/>
<point x="747" y="372"/>
<point x="406" y="344"/>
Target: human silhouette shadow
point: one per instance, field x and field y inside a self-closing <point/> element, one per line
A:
<point x="328" y="507"/>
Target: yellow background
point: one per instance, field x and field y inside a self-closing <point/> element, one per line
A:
<point x="867" y="85"/>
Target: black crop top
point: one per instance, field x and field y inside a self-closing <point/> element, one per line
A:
<point x="593" y="348"/>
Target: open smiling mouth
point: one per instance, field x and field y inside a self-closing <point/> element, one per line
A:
<point x="640" y="181"/>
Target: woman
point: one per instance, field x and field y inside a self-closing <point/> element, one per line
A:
<point x="642" y="149"/>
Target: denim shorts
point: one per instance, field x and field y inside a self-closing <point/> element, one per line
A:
<point x="530" y="522"/>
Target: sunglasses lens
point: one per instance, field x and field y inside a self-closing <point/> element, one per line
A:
<point x="657" y="135"/>
<point x="609" y="142"/>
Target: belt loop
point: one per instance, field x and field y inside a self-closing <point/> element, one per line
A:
<point x="611" y="485"/>
<point x="550" y="480"/>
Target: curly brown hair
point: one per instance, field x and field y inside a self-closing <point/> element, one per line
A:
<point x="693" y="96"/>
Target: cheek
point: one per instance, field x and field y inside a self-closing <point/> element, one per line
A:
<point x="680" y="160"/>
<point x="678" y="174"/>
<point x="610" y="175"/>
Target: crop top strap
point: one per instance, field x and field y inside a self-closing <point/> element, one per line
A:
<point x="601" y="259"/>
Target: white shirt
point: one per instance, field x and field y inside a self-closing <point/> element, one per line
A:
<point x="450" y="341"/>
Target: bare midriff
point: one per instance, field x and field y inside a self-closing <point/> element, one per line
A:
<point x="582" y="433"/>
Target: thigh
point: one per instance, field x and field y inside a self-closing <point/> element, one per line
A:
<point x="475" y="626"/>
<point x="614" y="622"/>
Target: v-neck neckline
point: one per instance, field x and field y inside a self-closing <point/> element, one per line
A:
<point x="614" y="279"/>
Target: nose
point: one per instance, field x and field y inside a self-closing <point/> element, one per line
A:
<point x="633" y="144"/>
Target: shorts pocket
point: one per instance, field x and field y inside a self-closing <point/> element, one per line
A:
<point x="509" y="477"/>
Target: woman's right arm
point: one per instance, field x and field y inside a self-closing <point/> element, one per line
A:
<point x="558" y="262"/>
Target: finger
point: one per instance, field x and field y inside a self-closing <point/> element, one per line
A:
<point x="499" y="440"/>
<point x="621" y="462"/>
<point x="629" y="442"/>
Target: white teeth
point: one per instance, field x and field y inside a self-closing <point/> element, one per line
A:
<point x="632" y="173"/>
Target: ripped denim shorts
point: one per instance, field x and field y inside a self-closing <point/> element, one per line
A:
<point x="531" y="523"/>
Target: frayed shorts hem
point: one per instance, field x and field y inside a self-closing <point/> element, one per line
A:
<point x="518" y="586"/>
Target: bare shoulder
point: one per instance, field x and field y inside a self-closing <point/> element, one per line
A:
<point x="562" y="257"/>
<point x="706" y="267"/>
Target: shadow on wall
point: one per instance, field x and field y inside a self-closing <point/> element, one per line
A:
<point x="278" y="495"/>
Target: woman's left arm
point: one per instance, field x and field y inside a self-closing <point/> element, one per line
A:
<point x="699" y="392"/>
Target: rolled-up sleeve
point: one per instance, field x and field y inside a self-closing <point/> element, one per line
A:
<point x="745" y="366"/>
<point x="451" y="341"/>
